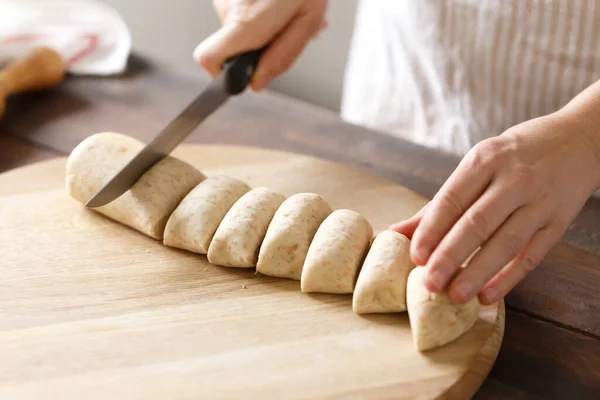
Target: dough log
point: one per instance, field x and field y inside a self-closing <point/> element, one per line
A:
<point x="336" y="253"/>
<point x="381" y="284"/>
<point x="289" y="235"/>
<point x="195" y="220"/>
<point x="147" y="205"/>
<point x="434" y="319"/>
<point x="237" y="241"/>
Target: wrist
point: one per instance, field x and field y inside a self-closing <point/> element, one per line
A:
<point x="584" y="125"/>
<point x="583" y="113"/>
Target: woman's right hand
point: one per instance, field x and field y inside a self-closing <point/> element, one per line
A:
<point x="288" y="25"/>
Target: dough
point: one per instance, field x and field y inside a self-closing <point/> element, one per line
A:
<point x="336" y="252"/>
<point x="434" y="319"/>
<point x="237" y="241"/>
<point x="289" y="235"/>
<point x="195" y="220"/>
<point x="147" y="205"/>
<point x="381" y="284"/>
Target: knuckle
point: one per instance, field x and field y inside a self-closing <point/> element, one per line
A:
<point x="512" y="243"/>
<point x="254" y="34"/>
<point x="446" y="263"/>
<point x="449" y="198"/>
<point x="486" y="152"/>
<point x="529" y="262"/>
<point x="478" y="223"/>
<point x="475" y="158"/>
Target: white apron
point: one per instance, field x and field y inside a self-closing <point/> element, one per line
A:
<point x="449" y="73"/>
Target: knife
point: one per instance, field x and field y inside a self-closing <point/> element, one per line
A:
<point x="233" y="79"/>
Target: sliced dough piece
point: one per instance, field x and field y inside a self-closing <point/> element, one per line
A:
<point x="336" y="252"/>
<point x="237" y="241"/>
<point x="289" y="235"/>
<point x="147" y="205"/>
<point x="195" y="220"/>
<point x="381" y="284"/>
<point x="434" y="319"/>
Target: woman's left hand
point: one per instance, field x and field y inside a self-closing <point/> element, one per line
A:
<point x="513" y="197"/>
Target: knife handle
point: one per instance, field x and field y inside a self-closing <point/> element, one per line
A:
<point x="239" y="70"/>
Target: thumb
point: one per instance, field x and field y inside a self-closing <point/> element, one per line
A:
<point x="408" y="226"/>
<point x="228" y="41"/>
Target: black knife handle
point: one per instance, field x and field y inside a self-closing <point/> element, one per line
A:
<point x="239" y="69"/>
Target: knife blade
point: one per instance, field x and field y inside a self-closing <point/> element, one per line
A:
<point x="232" y="80"/>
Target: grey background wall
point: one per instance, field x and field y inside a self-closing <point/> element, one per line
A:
<point x="170" y="30"/>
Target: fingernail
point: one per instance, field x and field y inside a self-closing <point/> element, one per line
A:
<point x="437" y="279"/>
<point x="465" y="289"/>
<point x="491" y="295"/>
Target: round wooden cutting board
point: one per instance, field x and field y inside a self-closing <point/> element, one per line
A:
<point x="94" y="310"/>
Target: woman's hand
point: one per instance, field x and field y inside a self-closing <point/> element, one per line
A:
<point x="250" y="24"/>
<point x="512" y="197"/>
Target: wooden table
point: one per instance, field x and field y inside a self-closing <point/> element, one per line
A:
<point x="551" y="347"/>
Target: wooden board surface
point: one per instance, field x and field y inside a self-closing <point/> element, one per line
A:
<point x="563" y="289"/>
<point x="92" y="309"/>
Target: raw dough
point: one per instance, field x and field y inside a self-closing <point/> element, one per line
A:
<point x="237" y="241"/>
<point x="196" y="219"/>
<point x="336" y="252"/>
<point x="147" y="205"/>
<point x="381" y="284"/>
<point x="434" y="319"/>
<point x="289" y="235"/>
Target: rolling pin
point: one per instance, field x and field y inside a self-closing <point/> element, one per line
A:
<point x="40" y="69"/>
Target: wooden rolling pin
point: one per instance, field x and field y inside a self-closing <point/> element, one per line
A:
<point x="40" y="69"/>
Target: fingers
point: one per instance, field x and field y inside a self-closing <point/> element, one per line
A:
<point x="407" y="227"/>
<point x="529" y="258"/>
<point x="230" y="40"/>
<point x="464" y="186"/>
<point x="506" y="244"/>
<point x="472" y="230"/>
<point x="285" y="45"/>
<point x="284" y="50"/>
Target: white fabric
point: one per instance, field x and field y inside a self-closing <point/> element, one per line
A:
<point x="449" y="73"/>
<point x="91" y="37"/>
